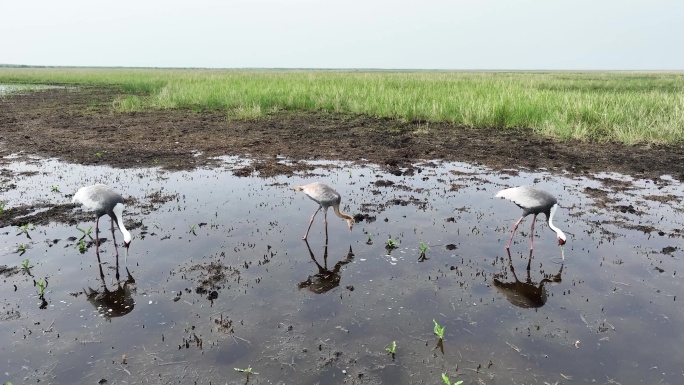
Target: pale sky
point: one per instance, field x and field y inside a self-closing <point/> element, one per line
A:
<point x="396" y="34"/>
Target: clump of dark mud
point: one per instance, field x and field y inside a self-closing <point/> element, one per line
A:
<point x="270" y="168"/>
<point x="211" y="277"/>
<point x="7" y="271"/>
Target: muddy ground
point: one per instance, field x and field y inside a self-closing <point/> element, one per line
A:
<point x="79" y="125"/>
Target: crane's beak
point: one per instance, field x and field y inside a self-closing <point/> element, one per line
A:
<point x="562" y="252"/>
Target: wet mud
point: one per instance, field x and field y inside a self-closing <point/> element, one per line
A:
<point x="79" y="125"/>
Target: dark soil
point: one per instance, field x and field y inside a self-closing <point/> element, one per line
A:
<point x="79" y="125"/>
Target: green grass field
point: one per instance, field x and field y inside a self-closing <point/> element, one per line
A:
<point x="629" y="107"/>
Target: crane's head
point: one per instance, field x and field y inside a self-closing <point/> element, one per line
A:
<point x="561" y="238"/>
<point x="126" y="245"/>
<point x="127" y="238"/>
<point x="350" y="223"/>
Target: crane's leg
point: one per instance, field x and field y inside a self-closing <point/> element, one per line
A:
<point x="532" y="233"/>
<point x="97" y="235"/>
<point x="515" y="227"/>
<point x="310" y="222"/>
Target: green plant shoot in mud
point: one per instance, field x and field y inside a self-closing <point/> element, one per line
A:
<point x="98" y="155"/>
<point x="391" y="244"/>
<point x="82" y="247"/>
<point x="448" y="382"/>
<point x="192" y="229"/>
<point x="41" y="287"/>
<point x="155" y="161"/>
<point x="2" y="208"/>
<point x="85" y="232"/>
<point x="393" y="349"/>
<point x="21" y="249"/>
<point x="248" y="370"/>
<point x="439" y="330"/>
<point x="26" y="265"/>
<point x="55" y="189"/>
<point x="25" y="229"/>
<point x="370" y="240"/>
<point x="423" y="252"/>
<point x="350" y="174"/>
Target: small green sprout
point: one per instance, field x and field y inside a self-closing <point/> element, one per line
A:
<point x="192" y="229"/>
<point x="248" y="370"/>
<point x="25" y="229"/>
<point x="439" y="330"/>
<point x="155" y="161"/>
<point x="391" y="244"/>
<point x="98" y="154"/>
<point x="447" y="382"/>
<point x="41" y="287"/>
<point x="423" y="252"/>
<point x="21" y="249"/>
<point x="370" y="240"/>
<point x="85" y="232"/>
<point x="82" y="247"/>
<point x="350" y="174"/>
<point x="2" y="208"/>
<point x="423" y="248"/>
<point x="393" y="349"/>
<point x="55" y="189"/>
<point x="26" y="264"/>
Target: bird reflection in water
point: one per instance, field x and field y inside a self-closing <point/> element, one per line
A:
<point x="526" y="294"/>
<point x="113" y="303"/>
<point x="325" y="279"/>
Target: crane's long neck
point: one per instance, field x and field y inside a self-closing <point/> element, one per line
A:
<point x="118" y="213"/>
<point x="336" y="209"/>
<point x="558" y="231"/>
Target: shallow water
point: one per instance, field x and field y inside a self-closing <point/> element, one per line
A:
<point x="608" y="313"/>
<point x="7" y="88"/>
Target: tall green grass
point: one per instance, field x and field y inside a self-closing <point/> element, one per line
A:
<point x="619" y="106"/>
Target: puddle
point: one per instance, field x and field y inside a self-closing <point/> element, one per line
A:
<point x="221" y="279"/>
<point x="7" y="88"/>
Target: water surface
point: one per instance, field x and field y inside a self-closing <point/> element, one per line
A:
<point x="223" y="280"/>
